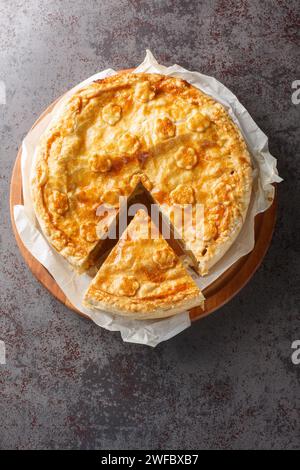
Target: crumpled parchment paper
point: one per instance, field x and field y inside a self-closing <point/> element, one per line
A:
<point x="73" y="285"/>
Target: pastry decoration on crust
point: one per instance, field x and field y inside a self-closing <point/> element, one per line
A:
<point x="127" y="128"/>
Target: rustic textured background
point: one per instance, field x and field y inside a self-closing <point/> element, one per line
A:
<point x="227" y="382"/>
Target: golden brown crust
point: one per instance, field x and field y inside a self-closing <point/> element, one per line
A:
<point x="141" y="126"/>
<point x="142" y="277"/>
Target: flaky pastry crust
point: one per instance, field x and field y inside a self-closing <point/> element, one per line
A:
<point x="161" y="130"/>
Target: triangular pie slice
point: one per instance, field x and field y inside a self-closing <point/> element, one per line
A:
<point x="143" y="278"/>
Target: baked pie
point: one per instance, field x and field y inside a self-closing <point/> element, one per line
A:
<point x="142" y="277"/>
<point x="127" y="128"/>
<point x="141" y="128"/>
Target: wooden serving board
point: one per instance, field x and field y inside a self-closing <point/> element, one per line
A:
<point x="217" y="294"/>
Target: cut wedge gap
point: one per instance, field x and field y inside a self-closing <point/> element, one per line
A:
<point x="142" y="198"/>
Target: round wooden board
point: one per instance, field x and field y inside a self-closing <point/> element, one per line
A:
<point x="217" y="294"/>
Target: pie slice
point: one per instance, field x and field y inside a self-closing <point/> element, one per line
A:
<point x="143" y="278"/>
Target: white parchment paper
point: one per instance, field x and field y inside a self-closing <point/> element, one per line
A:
<point x="74" y="285"/>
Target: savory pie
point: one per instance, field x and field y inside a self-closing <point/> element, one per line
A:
<point x="130" y="127"/>
<point x="142" y="277"/>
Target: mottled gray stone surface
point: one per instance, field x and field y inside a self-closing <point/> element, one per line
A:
<point x="227" y="382"/>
